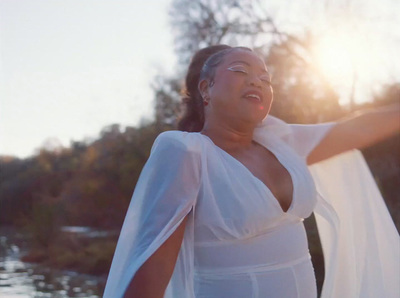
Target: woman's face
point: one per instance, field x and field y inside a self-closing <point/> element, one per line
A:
<point x="241" y="90"/>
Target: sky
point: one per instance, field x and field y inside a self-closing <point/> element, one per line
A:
<point x="69" y="68"/>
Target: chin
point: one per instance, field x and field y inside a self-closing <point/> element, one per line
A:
<point x="256" y="119"/>
<point x="266" y="112"/>
<point x="263" y="113"/>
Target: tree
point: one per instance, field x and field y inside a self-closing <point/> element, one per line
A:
<point x="301" y="93"/>
<point x="166" y="108"/>
<point x="200" y="23"/>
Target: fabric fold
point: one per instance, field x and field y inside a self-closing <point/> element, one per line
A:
<point x="360" y="242"/>
<point x="165" y="193"/>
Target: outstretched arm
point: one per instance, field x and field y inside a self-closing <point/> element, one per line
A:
<point x="359" y="131"/>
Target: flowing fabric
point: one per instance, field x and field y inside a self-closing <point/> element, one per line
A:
<point x="360" y="242"/>
<point x="161" y="200"/>
<point x="185" y="176"/>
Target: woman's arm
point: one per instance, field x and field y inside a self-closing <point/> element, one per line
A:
<point x="361" y="130"/>
<point x="152" y="278"/>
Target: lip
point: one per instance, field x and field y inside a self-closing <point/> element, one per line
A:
<point x="255" y="92"/>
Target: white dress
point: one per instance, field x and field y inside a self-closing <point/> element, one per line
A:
<point x="238" y="241"/>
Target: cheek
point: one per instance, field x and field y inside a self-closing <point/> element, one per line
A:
<point x="226" y="90"/>
<point x="230" y="79"/>
<point x="270" y="94"/>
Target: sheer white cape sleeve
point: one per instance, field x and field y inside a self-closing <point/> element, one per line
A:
<point x="165" y="193"/>
<point x="360" y="242"/>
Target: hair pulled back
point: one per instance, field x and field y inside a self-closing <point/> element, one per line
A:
<point x="202" y="66"/>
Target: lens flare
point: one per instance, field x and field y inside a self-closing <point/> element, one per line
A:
<point x="347" y="55"/>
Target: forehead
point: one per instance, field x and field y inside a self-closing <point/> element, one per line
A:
<point x="244" y="57"/>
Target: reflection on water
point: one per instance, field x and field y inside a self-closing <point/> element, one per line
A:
<point x="22" y="280"/>
<point x="88" y="232"/>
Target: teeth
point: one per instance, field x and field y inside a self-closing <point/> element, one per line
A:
<point x="254" y="96"/>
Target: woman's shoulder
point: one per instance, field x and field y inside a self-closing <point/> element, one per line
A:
<point x="175" y="139"/>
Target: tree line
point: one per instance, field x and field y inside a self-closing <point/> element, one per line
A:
<point x="91" y="183"/>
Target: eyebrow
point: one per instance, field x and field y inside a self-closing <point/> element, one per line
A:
<point x="248" y="64"/>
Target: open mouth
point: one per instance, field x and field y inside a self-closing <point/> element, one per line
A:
<point x="254" y="96"/>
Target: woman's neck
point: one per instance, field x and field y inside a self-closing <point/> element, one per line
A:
<point x="227" y="137"/>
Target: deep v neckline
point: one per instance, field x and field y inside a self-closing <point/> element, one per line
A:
<point x="258" y="180"/>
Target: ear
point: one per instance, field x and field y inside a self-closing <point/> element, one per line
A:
<point x="204" y="88"/>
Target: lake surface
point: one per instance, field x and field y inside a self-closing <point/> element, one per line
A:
<point x="22" y="280"/>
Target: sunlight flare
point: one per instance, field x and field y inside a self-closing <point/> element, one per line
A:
<point x="347" y="57"/>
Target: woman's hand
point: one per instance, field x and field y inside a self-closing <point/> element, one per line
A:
<point x="360" y="131"/>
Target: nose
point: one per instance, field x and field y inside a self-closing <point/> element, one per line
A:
<point x="255" y="81"/>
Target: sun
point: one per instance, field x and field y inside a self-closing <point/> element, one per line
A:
<point x="347" y="57"/>
<point x="337" y="55"/>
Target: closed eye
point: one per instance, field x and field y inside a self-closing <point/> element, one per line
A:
<point x="266" y="79"/>
<point x="238" y="69"/>
<point x="241" y="69"/>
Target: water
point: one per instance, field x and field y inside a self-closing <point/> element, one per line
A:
<point x="88" y="232"/>
<point x="25" y="280"/>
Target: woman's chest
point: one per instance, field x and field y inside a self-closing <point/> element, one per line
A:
<point x="234" y="203"/>
<point x="265" y="166"/>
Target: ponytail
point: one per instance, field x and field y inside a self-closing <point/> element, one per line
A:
<point x="193" y="117"/>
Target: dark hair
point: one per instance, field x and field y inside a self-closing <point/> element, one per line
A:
<point x="202" y="66"/>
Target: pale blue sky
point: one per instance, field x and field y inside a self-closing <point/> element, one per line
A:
<point x="68" y="68"/>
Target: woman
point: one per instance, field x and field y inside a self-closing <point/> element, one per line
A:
<point x="218" y="210"/>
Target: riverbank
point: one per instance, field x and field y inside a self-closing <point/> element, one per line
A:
<point x="76" y="265"/>
<point x="72" y="252"/>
